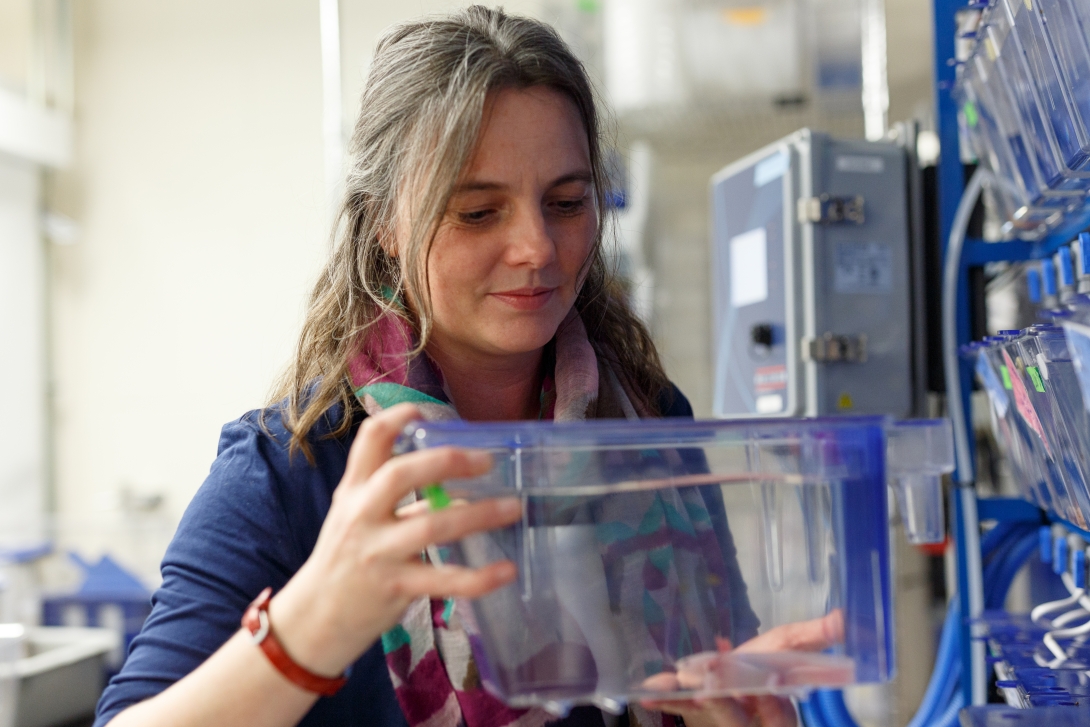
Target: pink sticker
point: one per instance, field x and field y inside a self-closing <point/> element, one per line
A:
<point x="1023" y="404"/>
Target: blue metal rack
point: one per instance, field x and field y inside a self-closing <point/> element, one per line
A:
<point x="967" y="509"/>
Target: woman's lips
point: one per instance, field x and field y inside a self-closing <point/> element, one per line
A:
<point x="526" y="298"/>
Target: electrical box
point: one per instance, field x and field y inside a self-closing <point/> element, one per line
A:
<point x="813" y="265"/>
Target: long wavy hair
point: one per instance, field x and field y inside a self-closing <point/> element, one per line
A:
<point x="420" y="116"/>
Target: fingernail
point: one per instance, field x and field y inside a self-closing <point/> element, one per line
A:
<point x="510" y="506"/>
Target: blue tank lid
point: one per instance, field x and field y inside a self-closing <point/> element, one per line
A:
<point x="1084" y="253"/>
<point x="1048" y="277"/>
<point x="1066" y="266"/>
<point x="1059" y="555"/>
<point x="1033" y="283"/>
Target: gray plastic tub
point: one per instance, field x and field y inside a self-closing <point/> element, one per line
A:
<point x="62" y="674"/>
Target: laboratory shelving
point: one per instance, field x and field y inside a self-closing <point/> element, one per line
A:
<point x="968" y="509"/>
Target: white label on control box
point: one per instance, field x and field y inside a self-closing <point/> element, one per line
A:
<point x="860" y="164"/>
<point x="863" y="267"/>
<point x="769" y="404"/>
<point x="748" y="268"/>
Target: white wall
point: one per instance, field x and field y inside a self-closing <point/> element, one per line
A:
<point x="197" y="184"/>
<point x="22" y="355"/>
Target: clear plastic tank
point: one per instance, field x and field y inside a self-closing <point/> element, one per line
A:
<point x="664" y="558"/>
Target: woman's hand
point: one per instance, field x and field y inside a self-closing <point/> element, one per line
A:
<point x="765" y="710"/>
<point x="366" y="568"/>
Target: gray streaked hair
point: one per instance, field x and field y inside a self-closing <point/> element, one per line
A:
<point x="420" y="116"/>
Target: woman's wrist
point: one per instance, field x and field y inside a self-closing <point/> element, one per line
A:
<point x="307" y="627"/>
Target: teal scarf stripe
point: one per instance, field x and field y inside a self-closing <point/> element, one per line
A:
<point x="387" y="395"/>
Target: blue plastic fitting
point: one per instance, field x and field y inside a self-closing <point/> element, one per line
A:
<point x="1048" y="277"/>
<point x="1084" y="254"/>
<point x="1059" y="555"/>
<point x="1078" y="567"/>
<point x="1033" y="285"/>
<point x="1066" y="266"/>
<point x="1044" y="534"/>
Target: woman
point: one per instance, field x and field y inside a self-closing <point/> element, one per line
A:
<point x="467" y="280"/>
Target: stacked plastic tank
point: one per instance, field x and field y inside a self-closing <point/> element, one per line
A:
<point x="1038" y="386"/>
<point x="1024" y="92"/>
<point x="665" y="559"/>
<point x="1041" y="659"/>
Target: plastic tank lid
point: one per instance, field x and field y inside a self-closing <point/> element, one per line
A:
<point x="1033" y="284"/>
<point x="1048" y="275"/>
<point x="1066" y="266"/>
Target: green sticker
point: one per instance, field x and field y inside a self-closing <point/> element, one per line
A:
<point x="1036" y="376"/>
<point x="970" y="113"/>
<point x="1006" y="377"/>
<point x="436" y="496"/>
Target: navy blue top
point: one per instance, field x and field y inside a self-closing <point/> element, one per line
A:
<point x="252" y="524"/>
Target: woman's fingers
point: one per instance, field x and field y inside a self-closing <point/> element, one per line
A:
<point x="415" y="533"/>
<point x="776" y="712"/>
<point x="401" y="475"/>
<point x="729" y="712"/>
<point x="663" y="682"/>
<point x="421" y="579"/>
<point x="375" y="439"/>
<point x="815" y="635"/>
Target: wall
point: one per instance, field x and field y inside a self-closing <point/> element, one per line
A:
<point x="197" y="185"/>
<point x="22" y="365"/>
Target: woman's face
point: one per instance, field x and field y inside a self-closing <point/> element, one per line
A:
<point x="504" y="268"/>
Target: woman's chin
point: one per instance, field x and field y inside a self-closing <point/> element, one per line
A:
<point x="522" y="340"/>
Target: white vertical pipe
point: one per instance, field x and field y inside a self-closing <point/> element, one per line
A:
<point x="329" y="14"/>
<point x="875" y="81"/>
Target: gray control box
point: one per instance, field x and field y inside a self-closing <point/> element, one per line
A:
<point x="812" y="271"/>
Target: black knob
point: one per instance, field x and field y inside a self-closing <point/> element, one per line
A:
<point x="761" y="335"/>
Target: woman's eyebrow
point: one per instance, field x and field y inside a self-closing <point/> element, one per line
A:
<point x="486" y="186"/>
<point x="581" y="176"/>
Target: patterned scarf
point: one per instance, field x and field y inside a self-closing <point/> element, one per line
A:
<point x="667" y="540"/>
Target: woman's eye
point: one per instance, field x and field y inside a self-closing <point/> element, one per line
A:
<point x="475" y="217"/>
<point x="570" y="206"/>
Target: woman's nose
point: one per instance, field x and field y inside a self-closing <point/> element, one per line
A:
<point x="529" y="242"/>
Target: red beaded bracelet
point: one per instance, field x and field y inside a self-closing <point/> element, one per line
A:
<point x="256" y="621"/>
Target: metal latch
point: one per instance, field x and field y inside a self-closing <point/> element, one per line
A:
<point x="827" y="208"/>
<point x="831" y="347"/>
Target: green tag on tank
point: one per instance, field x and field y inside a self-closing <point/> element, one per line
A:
<point x="1006" y="378"/>
<point x="436" y="496"/>
<point x="970" y="114"/>
<point x="1036" y="376"/>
